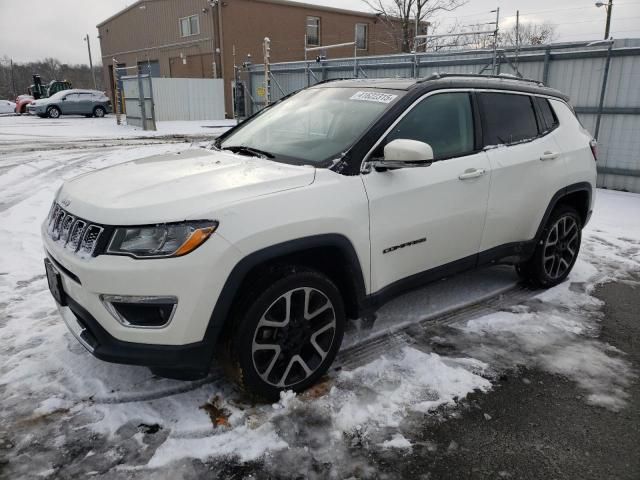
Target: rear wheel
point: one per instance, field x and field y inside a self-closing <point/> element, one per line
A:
<point x="288" y="335"/>
<point x="556" y="251"/>
<point x="99" y="112"/>
<point x="53" y="112"/>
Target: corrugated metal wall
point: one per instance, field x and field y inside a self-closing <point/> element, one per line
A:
<point x="188" y="98"/>
<point x="574" y="68"/>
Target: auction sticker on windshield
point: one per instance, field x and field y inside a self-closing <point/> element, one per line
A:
<point x="374" y="97"/>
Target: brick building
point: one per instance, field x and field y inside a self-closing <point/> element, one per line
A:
<point x="197" y="38"/>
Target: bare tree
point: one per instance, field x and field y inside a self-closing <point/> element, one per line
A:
<point x="401" y="16"/>
<point x="529" y="34"/>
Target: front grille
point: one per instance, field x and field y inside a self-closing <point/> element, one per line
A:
<point x="74" y="234"/>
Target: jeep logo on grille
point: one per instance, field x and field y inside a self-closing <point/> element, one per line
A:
<point x="66" y="202"/>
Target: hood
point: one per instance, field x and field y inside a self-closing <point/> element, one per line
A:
<point x="189" y="185"/>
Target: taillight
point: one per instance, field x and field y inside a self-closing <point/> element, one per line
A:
<point x="594" y="149"/>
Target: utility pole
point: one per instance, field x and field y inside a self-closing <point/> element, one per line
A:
<point x="93" y="74"/>
<point x="609" y="8"/>
<point x="517" y="37"/>
<point x="13" y="81"/>
<point x="267" y="71"/>
<point x="495" y="40"/>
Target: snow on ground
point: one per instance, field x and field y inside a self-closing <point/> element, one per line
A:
<point x="62" y="410"/>
<point x="29" y="128"/>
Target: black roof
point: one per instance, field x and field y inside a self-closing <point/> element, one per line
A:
<point x="440" y="81"/>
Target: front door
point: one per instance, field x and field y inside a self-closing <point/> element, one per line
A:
<point x="427" y="217"/>
<point x="69" y="104"/>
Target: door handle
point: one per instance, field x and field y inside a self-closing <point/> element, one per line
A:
<point x="549" y="156"/>
<point x="472" y="173"/>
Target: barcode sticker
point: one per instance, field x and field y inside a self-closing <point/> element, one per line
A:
<point x="374" y="97"/>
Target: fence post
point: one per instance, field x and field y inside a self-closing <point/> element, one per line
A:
<point x="547" y="60"/>
<point x="143" y="107"/>
<point x="603" y="90"/>
<point x="153" y="106"/>
<point x="249" y="87"/>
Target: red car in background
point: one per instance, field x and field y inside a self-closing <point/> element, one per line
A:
<point x="22" y="101"/>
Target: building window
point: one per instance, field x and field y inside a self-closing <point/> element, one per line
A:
<point x="189" y="26"/>
<point x="362" y="35"/>
<point x="313" y="31"/>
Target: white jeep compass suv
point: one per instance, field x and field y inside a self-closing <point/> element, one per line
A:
<point x="316" y="210"/>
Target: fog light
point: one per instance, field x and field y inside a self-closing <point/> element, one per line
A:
<point x="141" y="311"/>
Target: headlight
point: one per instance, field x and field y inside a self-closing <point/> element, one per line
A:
<point x="160" y="241"/>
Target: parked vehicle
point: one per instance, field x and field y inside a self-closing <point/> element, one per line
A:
<point x="38" y="91"/>
<point x="7" y="106"/>
<point x="90" y="103"/>
<point x="22" y="101"/>
<point x="317" y="210"/>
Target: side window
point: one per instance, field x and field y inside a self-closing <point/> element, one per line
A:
<point x="313" y="31"/>
<point x="362" y="36"/>
<point x="549" y="118"/>
<point x="507" y="118"/>
<point x="444" y="121"/>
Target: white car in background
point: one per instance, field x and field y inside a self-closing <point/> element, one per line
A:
<point x="316" y="210"/>
<point x="7" y="106"/>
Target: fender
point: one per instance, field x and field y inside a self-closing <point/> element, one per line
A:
<point x="573" y="188"/>
<point x="239" y="273"/>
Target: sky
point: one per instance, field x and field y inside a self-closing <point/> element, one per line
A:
<point x="34" y="30"/>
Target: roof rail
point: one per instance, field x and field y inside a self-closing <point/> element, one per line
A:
<point x="437" y="76"/>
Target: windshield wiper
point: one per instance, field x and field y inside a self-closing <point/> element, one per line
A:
<point x="244" y="150"/>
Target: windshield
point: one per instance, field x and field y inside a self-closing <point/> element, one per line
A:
<point x="313" y="126"/>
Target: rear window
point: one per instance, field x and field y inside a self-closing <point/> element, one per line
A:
<point x="549" y="119"/>
<point x="507" y="118"/>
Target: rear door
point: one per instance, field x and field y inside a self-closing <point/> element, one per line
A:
<point x="527" y="165"/>
<point x="428" y="217"/>
<point x="85" y="103"/>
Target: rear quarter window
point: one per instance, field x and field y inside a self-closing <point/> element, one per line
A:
<point x="548" y="116"/>
<point x="507" y="118"/>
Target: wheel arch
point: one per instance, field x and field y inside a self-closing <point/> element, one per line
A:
<point x="577" y="195"/>
<point x="331" y="254"/>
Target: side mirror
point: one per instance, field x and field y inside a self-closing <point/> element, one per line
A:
<point x="405" y="153"/>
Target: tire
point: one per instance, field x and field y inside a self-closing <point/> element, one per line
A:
<point x="556" y="250"/>
<point x="99" y="112"/>
<point x="266" y="353"/>
<point x="53" y="112"/>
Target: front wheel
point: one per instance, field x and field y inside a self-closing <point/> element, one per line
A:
<point x="99" y="112"/>
<point x="53" y="112"/>
<point x="288" y="335"/>
<point x="557" y="249"/>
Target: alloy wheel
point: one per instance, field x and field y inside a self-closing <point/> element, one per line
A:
<point x="561" y="246"/>
<point x="293" y="337"/>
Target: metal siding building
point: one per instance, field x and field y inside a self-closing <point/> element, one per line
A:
<point x="573" y="68"/>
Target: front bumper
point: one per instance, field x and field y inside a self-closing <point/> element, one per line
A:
<point x="196" y="280"/>
<point x="104" y="346"/>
